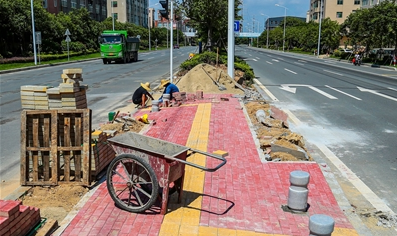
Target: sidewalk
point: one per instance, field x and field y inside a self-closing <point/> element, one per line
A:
<point x="244" y="197"/>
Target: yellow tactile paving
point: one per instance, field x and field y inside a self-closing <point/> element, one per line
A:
<point x="344" y="232"/>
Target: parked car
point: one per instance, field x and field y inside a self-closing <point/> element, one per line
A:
<point x="346" y="50"/>
<point x="176" y="46"/>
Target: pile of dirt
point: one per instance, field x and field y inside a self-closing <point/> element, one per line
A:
<point x="123" y="125"/>
<point x="54" y="202"/>
<point x="202" y="77"/>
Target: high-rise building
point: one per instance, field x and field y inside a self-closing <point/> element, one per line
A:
<point x="133" y="11"/>
<point x="97" y="8"/>
<point x="336" y="10"/>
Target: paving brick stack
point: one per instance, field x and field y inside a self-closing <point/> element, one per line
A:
<point x="102" y="152"/>
<point x="34" y="97"/>
<point x="69" y="95"/>
<point x="17" y="219"/>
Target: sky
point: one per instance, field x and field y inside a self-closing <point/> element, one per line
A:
<point x="253" y="10"/>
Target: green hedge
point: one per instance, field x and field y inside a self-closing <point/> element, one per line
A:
<point x="43" y="57"/>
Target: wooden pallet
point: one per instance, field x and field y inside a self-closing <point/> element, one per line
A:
<point x="55" y="147"/>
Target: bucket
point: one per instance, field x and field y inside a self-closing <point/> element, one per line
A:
<point x="155" y="105"/>
<point x="111" y="115"/>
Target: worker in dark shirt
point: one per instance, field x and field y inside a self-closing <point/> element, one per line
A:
<point x="141" y="95"/>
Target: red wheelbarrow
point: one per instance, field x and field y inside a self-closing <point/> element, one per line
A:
<point x="144" y="169"/>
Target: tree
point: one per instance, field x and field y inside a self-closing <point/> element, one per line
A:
<point x="209" y="17"/>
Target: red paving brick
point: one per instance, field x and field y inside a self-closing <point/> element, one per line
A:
<point x="245" y="194"/>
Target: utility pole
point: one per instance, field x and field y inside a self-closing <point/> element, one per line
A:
<point x="319" y="31"/>
<point x="34" y="33"/>
<point x="171" y="41"/>
<point x="230" y="39"/>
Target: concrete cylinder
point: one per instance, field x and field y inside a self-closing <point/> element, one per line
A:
<point x="155" y="105"/>
<point x="297" y="198"/>
<point x="321" y="225"/>
<point x="299" y="178"/>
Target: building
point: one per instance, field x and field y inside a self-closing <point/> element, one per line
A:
<point x="274" y="22"/>
<point x="132" y="11"/>
<point x="336" y="10"/>
<point x="97" y="8"/>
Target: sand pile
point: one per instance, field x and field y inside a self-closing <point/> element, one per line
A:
<point x="199" y="78"/>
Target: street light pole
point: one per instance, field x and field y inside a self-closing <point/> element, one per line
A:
<point x="150" y="22"/>
<point x="267" y="30"/>
<point x="285" y="17"/>
<point x="319" y="31"/>
<point x="34" y="33"/>
<point x="111" y="2"/>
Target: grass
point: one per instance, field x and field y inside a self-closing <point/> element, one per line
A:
<point x="27" y="64"/>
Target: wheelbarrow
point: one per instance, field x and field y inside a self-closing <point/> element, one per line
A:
<point x="144" y="169"/>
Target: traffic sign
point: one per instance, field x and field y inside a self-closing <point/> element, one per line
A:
<point x="67" y="33"/>
<point x="38" y="37"/>
<point x="236" y="26"/>
<point x="68" y="39"/>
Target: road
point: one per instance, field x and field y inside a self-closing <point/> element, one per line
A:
<point x="348" y="112"/>
<point x="110" y="87"/>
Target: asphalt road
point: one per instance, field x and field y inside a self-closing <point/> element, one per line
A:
<point x="110" y="87"/>
<point x="350" y="111"/>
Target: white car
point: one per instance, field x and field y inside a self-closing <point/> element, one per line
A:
<point x="347" y="50"/>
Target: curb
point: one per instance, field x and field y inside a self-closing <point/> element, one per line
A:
<point x="46" y="65"/>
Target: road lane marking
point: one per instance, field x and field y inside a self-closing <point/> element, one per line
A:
<point x="280" y="58"/>
<point x="275" y="60"/>
<point x="266" y="90"/>
<point x="360" y="185"/>
<point x="376" y="93"/>
<point x="392" y="88"/>
<point x="333" y="72"/>
<point x="299" y="63"/>
<point x="303" y="61"/>
<point x="337" y="90"/>
<point x="290" y="71"/>
<point x="292" y="117"/>
<point x="257" y="58"/>
<point x="269" y="62"/>
<point x="254" y="59"/>
<point x="287" y="87"/>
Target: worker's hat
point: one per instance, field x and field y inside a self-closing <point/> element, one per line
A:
<point x="146" y="86"/>
<point x="163" y="82"/>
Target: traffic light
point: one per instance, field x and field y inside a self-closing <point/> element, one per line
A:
<point x="164" y="12"/>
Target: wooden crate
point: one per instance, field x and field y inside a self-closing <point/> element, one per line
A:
<point x="55" y="147"/>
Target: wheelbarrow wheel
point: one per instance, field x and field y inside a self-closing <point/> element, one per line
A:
<point x="132" y="183"/>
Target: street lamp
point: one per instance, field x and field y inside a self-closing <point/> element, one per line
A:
<point x="319" y="31"/>
<point x="267" y="30"/>
<point x="34" y="33"/>
<point x="150" y="22"/>
<point x="111" y="2"/>
<point x="285" y="16"/>
<point x="257" y="39"/>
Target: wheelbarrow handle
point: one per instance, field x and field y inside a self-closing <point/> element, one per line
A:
<point x="199" y="166"/>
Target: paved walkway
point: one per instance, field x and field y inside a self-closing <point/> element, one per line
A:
<point x="244" y="197"/>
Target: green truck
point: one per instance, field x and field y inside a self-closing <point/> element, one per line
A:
<point x="117" y="46"/>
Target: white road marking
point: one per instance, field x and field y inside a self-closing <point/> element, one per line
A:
<point x="302" y="61"/>
<point x="280" y="58"/>
<point x="257" y="58"/>
<point x="286" y="87"/>
<point x="332" y="72"/>
<point x="360" y="185"/>
<point x="266" y="90"/>
<point x="392" y="88"/>
<point x="150" y="58"/>
<point x="275" y="60"/>
<point x="343" y="92"/>
<point x="292" y="117"/>
<point x="290" y="71"/>
<point x="268" y="62"/>
<point x="254" y="59"/>
<point x="376" y="93"/>
<point x="299" y="63"/>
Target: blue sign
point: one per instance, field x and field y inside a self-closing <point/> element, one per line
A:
<point x="236" y="26"/>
